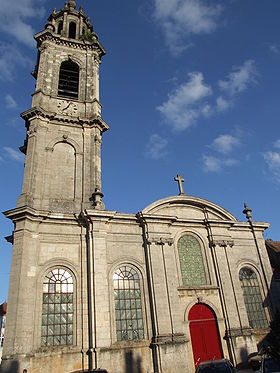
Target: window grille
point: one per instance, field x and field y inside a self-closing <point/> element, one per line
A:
<point x="68" y="85"/>
<point x="72" y="30"/>
<point x="253" y="298"/>
<point x="57" y="312"/>
<point x="128" y="307"/>
<point x="191" y="261"/>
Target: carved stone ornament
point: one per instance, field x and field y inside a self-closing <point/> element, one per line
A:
<point x="223" y="243"/>
<point x="161" y="241"/>
<point x="67" y="107"/>
<point x="32" y="131"/>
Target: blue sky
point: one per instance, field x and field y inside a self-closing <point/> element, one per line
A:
<point x="189" y="86"/>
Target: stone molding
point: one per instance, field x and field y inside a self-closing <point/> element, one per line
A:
<point x="238" y="332"/>
<point x="125" y="345"/>
<point x="163" y="339"/>
<point x="199" y="287"/>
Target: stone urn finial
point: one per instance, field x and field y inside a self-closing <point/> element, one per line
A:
<point x="247" y="212"/>
<point x="96" y="199"/>
<point x="72" y="4"/>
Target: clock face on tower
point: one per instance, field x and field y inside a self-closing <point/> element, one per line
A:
<point x="67" y="107"/>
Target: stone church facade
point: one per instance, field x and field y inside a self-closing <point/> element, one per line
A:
<point x="158" y="291"/>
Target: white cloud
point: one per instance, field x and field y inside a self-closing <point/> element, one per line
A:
<point x="277" y="144"/>
<point x="10" y="102"/>
<point x="10" y="59"/>
<point x="206" y="110"/>
<point x="239" y="79"/>
<point x="14" y="155"/>
<point x="14" y="17"/>
<point x="274" y="48"/>
<point x="223" y="104"/>
<point x="214" y="164"/>
<point x="230" y="162"/>
<point x="182" y="18"/>
<point x="225" y="143"/>
<point x="273" y="161"/>
<point x="156" y="147"/>
<point x="186" y="104"/>
<point x="211" y="164"/>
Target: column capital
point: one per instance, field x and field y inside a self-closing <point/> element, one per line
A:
<point x="223" y="243"/>
<point x="162" y="241"/>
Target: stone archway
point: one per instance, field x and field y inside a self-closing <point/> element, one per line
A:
<point x="204" y="333"/>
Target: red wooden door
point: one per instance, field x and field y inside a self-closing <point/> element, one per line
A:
<point x="204" y="334"/>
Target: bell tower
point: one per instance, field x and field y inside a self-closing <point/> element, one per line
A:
<point x="64" y="125"/>
<point x="62" y="178"/>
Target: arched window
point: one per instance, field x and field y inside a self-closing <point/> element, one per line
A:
<point x="191" y="261"/>
<point x="68" y="85"/>
<point x="57" y="312"/>
<point x="128" y="306"/>
<point x="60" y="27"/>
<point x="72" y="30"/>
<point x="252" y="298"/>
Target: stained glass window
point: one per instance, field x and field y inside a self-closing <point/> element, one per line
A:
<point x="191" y="261"/>
<point x="128" y="306"/>
<point x="253" y="298"/>
<point x="57" y="312"/>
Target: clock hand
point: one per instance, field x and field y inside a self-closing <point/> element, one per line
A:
<point x="67" y="106"/>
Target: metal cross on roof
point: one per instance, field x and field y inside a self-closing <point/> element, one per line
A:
<point x="180" y="181"/>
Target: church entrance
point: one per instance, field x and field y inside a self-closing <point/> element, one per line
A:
<point x="204" y="334"/>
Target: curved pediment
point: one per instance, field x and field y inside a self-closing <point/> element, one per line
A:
<point x="188" y="207"/>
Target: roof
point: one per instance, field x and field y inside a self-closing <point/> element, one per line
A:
<point x="3" y="309"/>
<point x="273" y="251"/>
<point x="273" y="245"/>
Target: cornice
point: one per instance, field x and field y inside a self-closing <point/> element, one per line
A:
<point x="94" y="121"/>
<point x="174" y="220"/>
<point x="48" y="35"/>
<point x="23" y="212"/>
<point x="258" y="226"/>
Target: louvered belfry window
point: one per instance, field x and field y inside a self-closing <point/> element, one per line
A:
<point x="57" y="311"/>
<point x="128" y="307"/>
<point x="253" y="298"/>
<point x="68" y="85"/>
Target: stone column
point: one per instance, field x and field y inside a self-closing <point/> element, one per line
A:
<point x="238" y="333"/>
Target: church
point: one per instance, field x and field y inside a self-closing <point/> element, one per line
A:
<point x="158" y="291"/>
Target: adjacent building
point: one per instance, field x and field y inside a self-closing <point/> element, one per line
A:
<point x="273" y="250"/>
<point x="3" y="310"/>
